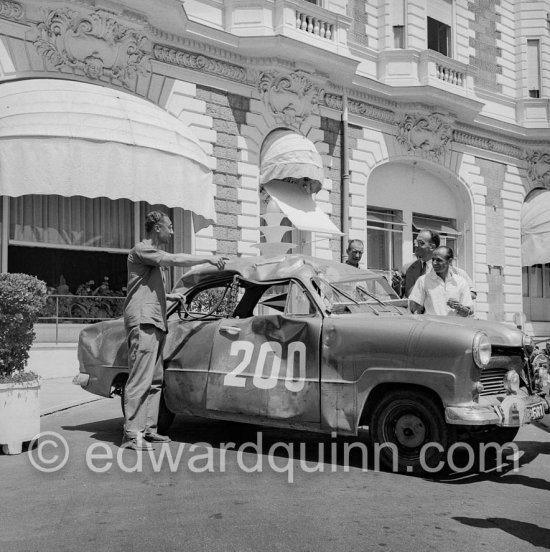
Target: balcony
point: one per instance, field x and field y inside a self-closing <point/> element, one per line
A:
<point x="325" y="26"/>
<point x="425" y="68"/>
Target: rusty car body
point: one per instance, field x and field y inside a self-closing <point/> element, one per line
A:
<point x="311" y="344"/>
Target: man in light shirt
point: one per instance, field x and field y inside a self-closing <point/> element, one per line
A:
<point x="441" y="291"/>
<point x="146" y="326"/>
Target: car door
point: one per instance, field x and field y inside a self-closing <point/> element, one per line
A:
<point x="267" y="365"/>
<point x="188" y="348"/>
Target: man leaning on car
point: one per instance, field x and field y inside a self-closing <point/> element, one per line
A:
<point x="146" y="327"/>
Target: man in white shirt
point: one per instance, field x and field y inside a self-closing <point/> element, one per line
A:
<point x="441" y="291"/>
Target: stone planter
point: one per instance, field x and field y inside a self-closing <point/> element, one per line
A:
<point x="19" y="414"/>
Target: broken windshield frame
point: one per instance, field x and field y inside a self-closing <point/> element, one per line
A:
<point x="361" y="295"/>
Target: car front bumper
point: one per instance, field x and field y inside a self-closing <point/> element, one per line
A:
<point x="503" y="410"/>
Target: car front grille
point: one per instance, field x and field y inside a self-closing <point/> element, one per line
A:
<point x="502" y="360"/>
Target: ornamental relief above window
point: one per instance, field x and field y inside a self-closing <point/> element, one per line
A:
<point x="292" y="97"/>
<point x="538" y="169"/>
<point x="96" y="45"/>
<point x="11" y="10"/>
<point x="427" y="134"/>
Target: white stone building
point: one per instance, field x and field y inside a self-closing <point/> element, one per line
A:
<point x="401" y="114"/>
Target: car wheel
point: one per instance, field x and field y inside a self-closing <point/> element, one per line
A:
<point x="413" y="427"/>
<point x="166" y="417"/>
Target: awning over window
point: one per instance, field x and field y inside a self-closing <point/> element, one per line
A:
<point x="438" y="225"/>
<point x="535" y="229"/>
<point x="75" y="139"/>
<point x="286" y="154"/>
<point x="378" y="217"/>
<point x="300" y="207"/>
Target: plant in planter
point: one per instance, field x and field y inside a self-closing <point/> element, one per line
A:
<point x="22" y="297"/>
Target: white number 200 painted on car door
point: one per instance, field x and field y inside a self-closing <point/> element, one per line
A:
<point x="268" y="364"/>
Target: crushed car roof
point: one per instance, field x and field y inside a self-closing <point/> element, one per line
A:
<point x="267" y="269"/>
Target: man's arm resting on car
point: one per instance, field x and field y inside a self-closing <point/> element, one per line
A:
<point x="186" y="261"/>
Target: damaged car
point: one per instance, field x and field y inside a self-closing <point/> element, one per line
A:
<point x="310" y="344"/>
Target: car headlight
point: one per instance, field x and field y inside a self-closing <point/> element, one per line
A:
<point x="481" y="349"/>
<point x="528" y="344"/>
<point x="511" y="382"/>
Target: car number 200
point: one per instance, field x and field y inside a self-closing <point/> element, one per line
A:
<point x="268" y="365"/>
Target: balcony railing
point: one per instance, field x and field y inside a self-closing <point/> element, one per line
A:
<point x="405" y="67"/>
<point x="448" y="74"/>
<point x="80" y="309"/>
<point x="437" y="67"/>
<point x="302" y="20"/>
<point x="314" y="25"/>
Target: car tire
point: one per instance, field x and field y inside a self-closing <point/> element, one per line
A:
<point x="408" y="421"/>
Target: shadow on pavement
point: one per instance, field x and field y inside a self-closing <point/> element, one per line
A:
<point x="529" y="532"/>
<point x="340" y="452"/>
<point x="107" y="431"/>
<point x="500" y="470"/>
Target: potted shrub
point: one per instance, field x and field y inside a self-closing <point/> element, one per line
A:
<point x="21" y="299"/>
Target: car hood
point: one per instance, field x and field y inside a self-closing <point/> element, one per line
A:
<point x="499" y="333"/>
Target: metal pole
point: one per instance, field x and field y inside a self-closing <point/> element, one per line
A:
<point x="345" y="174"/>
<point x="56" y="320"/>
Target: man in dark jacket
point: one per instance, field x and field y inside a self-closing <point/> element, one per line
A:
<point x="424" y="245"/>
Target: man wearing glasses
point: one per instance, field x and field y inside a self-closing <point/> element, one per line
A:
<point x="424" y="245"/>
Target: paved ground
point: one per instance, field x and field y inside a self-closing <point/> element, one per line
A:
<point x="203" y="503"/>
<point x="60" y="393"/>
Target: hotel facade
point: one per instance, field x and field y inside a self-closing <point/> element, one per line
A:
<point x="279" y="125"/>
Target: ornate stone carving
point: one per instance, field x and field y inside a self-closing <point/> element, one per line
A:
<point x="96" y="45"/>
<point x="11" y="10"/>
<point x="469" y="139"/>
<point x="539" y="168"/>
<point x="199" y="62"/>
<point x="292" y="97"/>
<point x="426" y="134"/>
<point x="371" y="111"/>
<point x="358" y="107"/>
<point x="334" y="101"/>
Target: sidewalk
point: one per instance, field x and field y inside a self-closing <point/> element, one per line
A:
<point x="57" y="365"/>
<point x="58" y="394"/>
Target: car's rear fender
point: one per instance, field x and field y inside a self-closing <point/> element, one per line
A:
<point x="104" y="379"/>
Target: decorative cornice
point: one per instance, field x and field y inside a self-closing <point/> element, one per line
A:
<point x="11" y="10"/>
<point x="199" y="62"/>
<point x="94" y="44"/>
<point x="335" y="101"/>
<point x="427" y="134"/>
<point x="292" y="97"/>
<point x="469" y="139"/>
<point x="538" y="169"/>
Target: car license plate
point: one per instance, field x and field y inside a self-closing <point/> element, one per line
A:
<point x="535" y="412"/>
